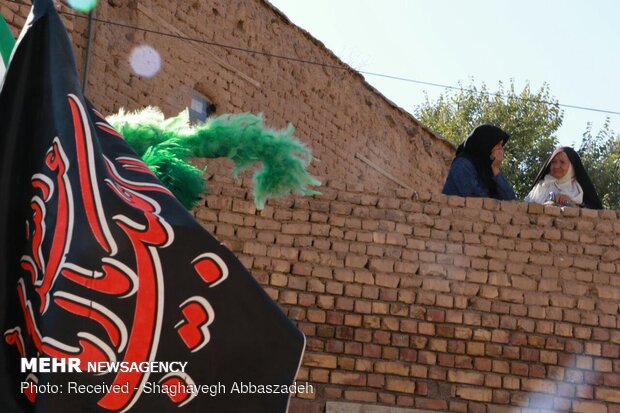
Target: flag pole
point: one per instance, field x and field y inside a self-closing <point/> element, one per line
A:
<point x="91" y="22"/>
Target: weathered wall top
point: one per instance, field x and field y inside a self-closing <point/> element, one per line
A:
<point x="356" y="134"/>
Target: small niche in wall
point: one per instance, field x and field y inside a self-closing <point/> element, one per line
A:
<point x="200" y="108"/>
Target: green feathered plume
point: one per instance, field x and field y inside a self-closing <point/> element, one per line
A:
<point x="166" y="145"/>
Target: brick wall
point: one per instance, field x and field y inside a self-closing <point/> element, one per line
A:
<point x="435" y="302"/>
<point x="423" y="301"/>
<point x="335" y="112"/>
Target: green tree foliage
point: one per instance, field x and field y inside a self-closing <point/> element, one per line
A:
<point x="531" y="119"/>
<point x="600" y="155"/>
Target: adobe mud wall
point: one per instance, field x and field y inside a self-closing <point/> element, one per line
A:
<point x="355" y="133"/>
<point x="416" y="301"/>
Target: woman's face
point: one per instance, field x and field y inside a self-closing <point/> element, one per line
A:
<point x="559" y="165"/>
<point x="498" y="151"/>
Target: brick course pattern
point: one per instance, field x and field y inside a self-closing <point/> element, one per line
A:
<point x="412" y="300"/>
<point x="438" y="303"/>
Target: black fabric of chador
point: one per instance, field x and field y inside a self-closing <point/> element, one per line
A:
<point x="590" y="196"/>
<point x="477" y="149"/>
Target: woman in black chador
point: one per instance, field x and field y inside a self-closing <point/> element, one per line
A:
<point x="475" y="171"/>
<point x="564" y="181"/>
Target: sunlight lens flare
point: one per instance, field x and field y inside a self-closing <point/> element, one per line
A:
<point x="145" y="61"/>
<point x="85" y="6"/>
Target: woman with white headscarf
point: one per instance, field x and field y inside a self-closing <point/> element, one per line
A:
<point x="564" y="181"/>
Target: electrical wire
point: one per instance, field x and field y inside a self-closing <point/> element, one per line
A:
<point x="320" y="64"/>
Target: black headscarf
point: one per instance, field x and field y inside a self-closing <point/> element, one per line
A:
<point x="590" y="197"/>
<point x="477" y="149"/>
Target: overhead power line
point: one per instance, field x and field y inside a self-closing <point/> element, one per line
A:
<point x="320" y="64"/>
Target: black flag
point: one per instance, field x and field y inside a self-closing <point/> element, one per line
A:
<point x="112" y="298"/>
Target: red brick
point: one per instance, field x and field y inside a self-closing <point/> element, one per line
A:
<point x="419" y="371"/>
<point x="400" y="385"/>
<point x="463" y="362"/>
<point x="352" y="379"/>
<point x="475" y="349"/>
<point x="607" y="395"/>
<point x="381" y="337"/>
<point x="476" y="394"/>
<point x="511" y="383"/>
<point x="520" y="369"/>
<point x="355" y="348"/>
<point x="320" y="360"/>
<point x="372" y="350"/>
<point x="376" y="380"/>
<point x="538" y="371"/>
<point x="427" y="357"/>
<point x="437" y="374"/>
<point x="540" y="386"/>
<point x="528" y="354"/>
<point x="483" y="364"/>
<point x="500" y="397"/>
<point x="433" y="404"/>
<point x="391" y="368"/>
<point x="466" y="377"/>
<point x="588" y="407"/>
<point x="610" y="350"/>
<point x="446" y="360"/>
<point x="360" y="396"/>
<point x="409" y="355"/>
<point x="501" y="366"/>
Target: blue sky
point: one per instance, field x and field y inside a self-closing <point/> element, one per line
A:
<point x="572" y="45"/>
